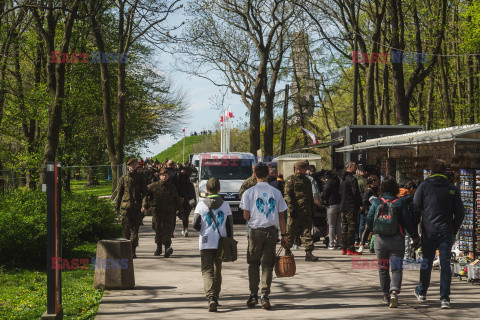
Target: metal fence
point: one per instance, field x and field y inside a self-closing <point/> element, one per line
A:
<point x="95" y="179"/>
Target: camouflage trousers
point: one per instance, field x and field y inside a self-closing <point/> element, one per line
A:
<point x="300" y="226"/>
<point x="349" y="228"/>
<point x="130" y="224"/>
<point x="163" y="227"/>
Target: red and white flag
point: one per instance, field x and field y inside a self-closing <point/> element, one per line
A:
<point x="312" y="135"/>
<point x="183" y="130"/>
<point x="230" y="114"/>
<point x="221" y="119"/>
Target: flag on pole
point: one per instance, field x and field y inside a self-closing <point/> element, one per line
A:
<point x="230" y="114"/>
<point x="311" y="134"/>
<point x="183" y="130"/>
<point x="221" y="119"/>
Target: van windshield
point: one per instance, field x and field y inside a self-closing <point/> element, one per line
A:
<point x="226" y="169"/>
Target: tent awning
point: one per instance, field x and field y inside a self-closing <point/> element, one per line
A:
<point x="470" y="133"/>
<point x="322" y="145"/>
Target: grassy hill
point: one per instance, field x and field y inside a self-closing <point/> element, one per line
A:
<point x="175" y="152"/>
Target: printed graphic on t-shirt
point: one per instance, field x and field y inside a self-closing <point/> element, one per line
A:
<point x="266" y="205"/>
<point x="219" y="217"/>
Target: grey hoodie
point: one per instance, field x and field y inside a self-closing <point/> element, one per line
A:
<point x="214" y="203"/>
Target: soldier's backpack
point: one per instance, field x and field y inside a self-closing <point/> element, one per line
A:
<point x="386" y="218"/>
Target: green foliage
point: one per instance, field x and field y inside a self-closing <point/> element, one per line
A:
<point x="23" y="294"/>
<point x="471" y="25"/>
<point x="23" y="230"/>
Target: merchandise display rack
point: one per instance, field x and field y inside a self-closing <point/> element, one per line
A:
<point x="467" y="236"/>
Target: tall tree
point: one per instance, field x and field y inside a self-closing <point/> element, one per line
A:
<point x="244" y="40"/>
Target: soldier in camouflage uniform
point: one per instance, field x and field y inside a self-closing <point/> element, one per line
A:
<point x="299" y="198"/>
<point x="247" y="184"/>
<point x="131" y="190"/>
<point x="162" y="198"/>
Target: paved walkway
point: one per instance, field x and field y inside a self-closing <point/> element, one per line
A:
<point x="328" y="289"/>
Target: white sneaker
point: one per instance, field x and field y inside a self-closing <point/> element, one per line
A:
<point x="331" y="247"/>
<point x="183" y="233"/>
<point x="186" y="233"/>
<point x="295" y="247"/>
<point x="360" y="249"/>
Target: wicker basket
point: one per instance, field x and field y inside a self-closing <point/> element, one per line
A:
<point x="285" y="265"/>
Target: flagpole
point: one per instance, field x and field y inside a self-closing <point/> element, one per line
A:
<point x="183" y="146"/>
<point x="221" y="134"/>
<point x="228" y="131"/>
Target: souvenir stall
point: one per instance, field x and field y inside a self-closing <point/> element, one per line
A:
<point x="406" y="158"/>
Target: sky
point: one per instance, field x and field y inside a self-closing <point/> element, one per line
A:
<point x="202" y="113"/>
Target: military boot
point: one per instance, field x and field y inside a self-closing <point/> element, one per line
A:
<point x="168" y="251"/>
<point x="158" y="251"/>
<point x="309" y="256"/>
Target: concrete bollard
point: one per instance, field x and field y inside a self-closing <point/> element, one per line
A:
<point x="114" y="265"/>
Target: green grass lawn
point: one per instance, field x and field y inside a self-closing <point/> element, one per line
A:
<point x="23" y="294"/>
<point x="175" y="152"/>
<point x="103" y="189"/>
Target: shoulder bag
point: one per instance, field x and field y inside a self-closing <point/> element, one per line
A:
<point x="227" y="247"/>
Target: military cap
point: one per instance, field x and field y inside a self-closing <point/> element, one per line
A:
<point x="213" y="184"/>
<point x="300" y="164"/>
<point x="163" y="171"/>
<point x="132" y="161"/>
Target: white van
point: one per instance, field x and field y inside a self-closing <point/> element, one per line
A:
<point x="232" y="169"/>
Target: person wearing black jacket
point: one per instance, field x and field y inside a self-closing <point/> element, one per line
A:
<point x="438" y="203"/>
<point x="180" y="181"/>
<point x="330" y="197"/>
<point x="350" y="206"/>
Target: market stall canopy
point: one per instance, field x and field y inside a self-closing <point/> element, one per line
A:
<point x="470" y="133"/>
<point x="334" y="142"/>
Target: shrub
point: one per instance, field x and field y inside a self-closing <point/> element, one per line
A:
<point x="23" y="229"/>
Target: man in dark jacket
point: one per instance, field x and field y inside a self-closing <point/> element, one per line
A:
<point x="350" y="206"/>
<point x="438" y="203"/>
<point x="180" y="181"/>
<point x="330" y="198"/>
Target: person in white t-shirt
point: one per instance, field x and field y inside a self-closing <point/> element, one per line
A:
<point x="212" y="217"/>
<point x="264" y="209"/>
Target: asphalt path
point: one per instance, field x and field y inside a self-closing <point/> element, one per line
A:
<point x="332" y="288"/>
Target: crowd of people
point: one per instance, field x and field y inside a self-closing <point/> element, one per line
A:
<point x="361" y="210"/>
<point x="163" y="189"/>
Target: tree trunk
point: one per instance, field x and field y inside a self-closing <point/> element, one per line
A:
<point x="92" y="176"/>
<point x="355" y="90"/>
<point x="56" y="82"/>
<point x="268" y="134"/>
<point x="106" y="94"/>
<point x="470" y="91"/>
<point x="370" y="83"/>
<point x="429" y="120"/>
<point x="448" y="111"/>
<point x="363" y="116"/>
<point x="256" y="105"/>
<point x="420" y="113"/>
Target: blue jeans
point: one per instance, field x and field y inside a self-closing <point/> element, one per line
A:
<point x="361" y="226"/>
<point x="430" y="243"/>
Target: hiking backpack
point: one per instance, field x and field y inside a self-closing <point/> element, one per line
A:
<point x="386" y="220"/>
